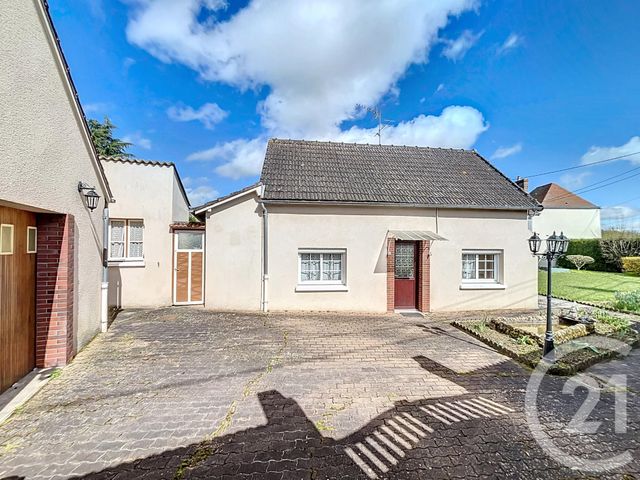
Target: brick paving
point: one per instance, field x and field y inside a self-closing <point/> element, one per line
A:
<point x="186" y="393"/>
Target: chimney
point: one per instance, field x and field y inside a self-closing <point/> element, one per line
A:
<point x="523" y="183"/>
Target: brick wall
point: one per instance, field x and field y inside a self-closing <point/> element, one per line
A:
<point x="391" y="265"/>
<point x="424" y="276"/>
<point x="54" y="290"/>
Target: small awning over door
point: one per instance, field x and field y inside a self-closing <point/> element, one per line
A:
<point x="415" y="235"/>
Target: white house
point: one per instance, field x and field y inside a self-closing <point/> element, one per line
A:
<point x="152" y="209"/>
<point x="565" y="211"/>
<point x="335" y="226"/>
<point x="53" y="288"/>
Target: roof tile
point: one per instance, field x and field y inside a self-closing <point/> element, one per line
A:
<point x="298" y="170"/>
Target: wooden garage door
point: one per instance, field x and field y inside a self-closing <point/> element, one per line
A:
<point x="17" y="294"/>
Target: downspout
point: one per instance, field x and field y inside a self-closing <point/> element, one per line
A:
<point x="104" y="310"/>
<point x="265" y="258"/>
<point x="437" y="221"/>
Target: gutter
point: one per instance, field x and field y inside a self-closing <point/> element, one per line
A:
<point x="403" y="205"/>
<point x="104" y="306"/>
<point x="264" y="302"/>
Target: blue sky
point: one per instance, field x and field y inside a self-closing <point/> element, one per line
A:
<point x="533" y="86"/>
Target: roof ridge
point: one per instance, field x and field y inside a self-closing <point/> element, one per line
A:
<point x="124" y="159"/>
<point x="330" y="142"/>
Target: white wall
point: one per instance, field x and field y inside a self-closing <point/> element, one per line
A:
<point x="362" y="231"/>
<point x="233" y="255"/>
<point x="44" y="153"/>
<point x="180" y="209"/>
<point x="145" y="192"/>
<point x="574" y="222"/>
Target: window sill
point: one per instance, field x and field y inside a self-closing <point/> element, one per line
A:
<point x="482" y="286"/>
<point x="125" y="263"/>
<point x="322" y="288"/>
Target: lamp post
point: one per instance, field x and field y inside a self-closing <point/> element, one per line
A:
<point x="556" y="246"/>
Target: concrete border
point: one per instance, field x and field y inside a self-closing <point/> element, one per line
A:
<point x="21" y="391"/>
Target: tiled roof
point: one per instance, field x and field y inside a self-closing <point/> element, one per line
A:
<point x="553" y="195"/>
<point x="138" y="161"/>
<point x="297" y="170"/>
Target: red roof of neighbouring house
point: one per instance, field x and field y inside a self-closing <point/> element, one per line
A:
<point x="553" y="195"/>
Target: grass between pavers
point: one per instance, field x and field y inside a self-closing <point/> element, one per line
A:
<point x="598" y="288"/>
<point x="582" y="352"/>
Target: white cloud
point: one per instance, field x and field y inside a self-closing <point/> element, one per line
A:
<point x="199" y="190"/>
<point x="201" y="194"/>
<point x="328" y="57"/>
<point x="619" y="212"/>
<point x="96" y="8"/>
<point x="513" y="40"/>
<point x="440" y="88"/>
<point x="621" y="217"/>
<point x="127" y="63"/>
<point x="596" y="154"/>
<point x="455" y="127"/>
<point x="138" y="140"/>
<point x="240" y="158"/>
<point x="456" y="49"/>
<point x="96" y="107"/>
<point x="504" y="152"/>
<point x="208" y="114"/>
<point x="573" y="181"/>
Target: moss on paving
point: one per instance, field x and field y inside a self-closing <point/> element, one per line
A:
<point x="207" y="447"/>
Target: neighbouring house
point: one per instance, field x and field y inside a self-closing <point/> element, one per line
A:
<point x="356" y="227"/>
<point x="151" y="210"/>
<point x="564" y="211"/>
<point x="52" y="276"/>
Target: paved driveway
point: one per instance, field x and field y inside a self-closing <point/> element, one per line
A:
<point x="185" y="393"/>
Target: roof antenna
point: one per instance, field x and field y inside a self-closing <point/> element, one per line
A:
<point x="377" y="114"/>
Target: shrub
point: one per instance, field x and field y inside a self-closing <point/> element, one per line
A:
<point x="580" y="260"/>
<point x="589" y="247"/>
<point x="631" y="265"/>
<point x="614" y="250"/>
<point x="617" y="323"/>
<point x="627" y="301"/>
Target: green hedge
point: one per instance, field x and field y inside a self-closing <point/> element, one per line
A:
<point x="591" y="248"/>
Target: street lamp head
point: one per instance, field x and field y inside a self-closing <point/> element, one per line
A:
<point x="553" y="244"/>
<point x="534" y="243"/>
<point x="564" y="243"/>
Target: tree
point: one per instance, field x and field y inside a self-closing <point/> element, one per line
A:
<point x="580" y="260"/>
<point x="106" y="144"/>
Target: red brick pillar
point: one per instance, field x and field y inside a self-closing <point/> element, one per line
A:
<point x="424" y="276"/>
<point x="54" y="290"/>
<point x="391" y="267"/>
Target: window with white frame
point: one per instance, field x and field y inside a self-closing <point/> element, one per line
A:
<point x="32" y="239"/>
<point x="126" y="240"/>
<point x="481" y="266"/>
<point x="325" y="267"/>
<point x="6" y="239"/>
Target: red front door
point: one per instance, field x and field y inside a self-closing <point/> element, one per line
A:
<point x="405" y="289"/>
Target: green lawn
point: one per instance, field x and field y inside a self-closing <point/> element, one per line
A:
<point x="587" y="286"/>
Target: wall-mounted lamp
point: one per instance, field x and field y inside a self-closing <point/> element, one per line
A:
<point x="90" y="196"/>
